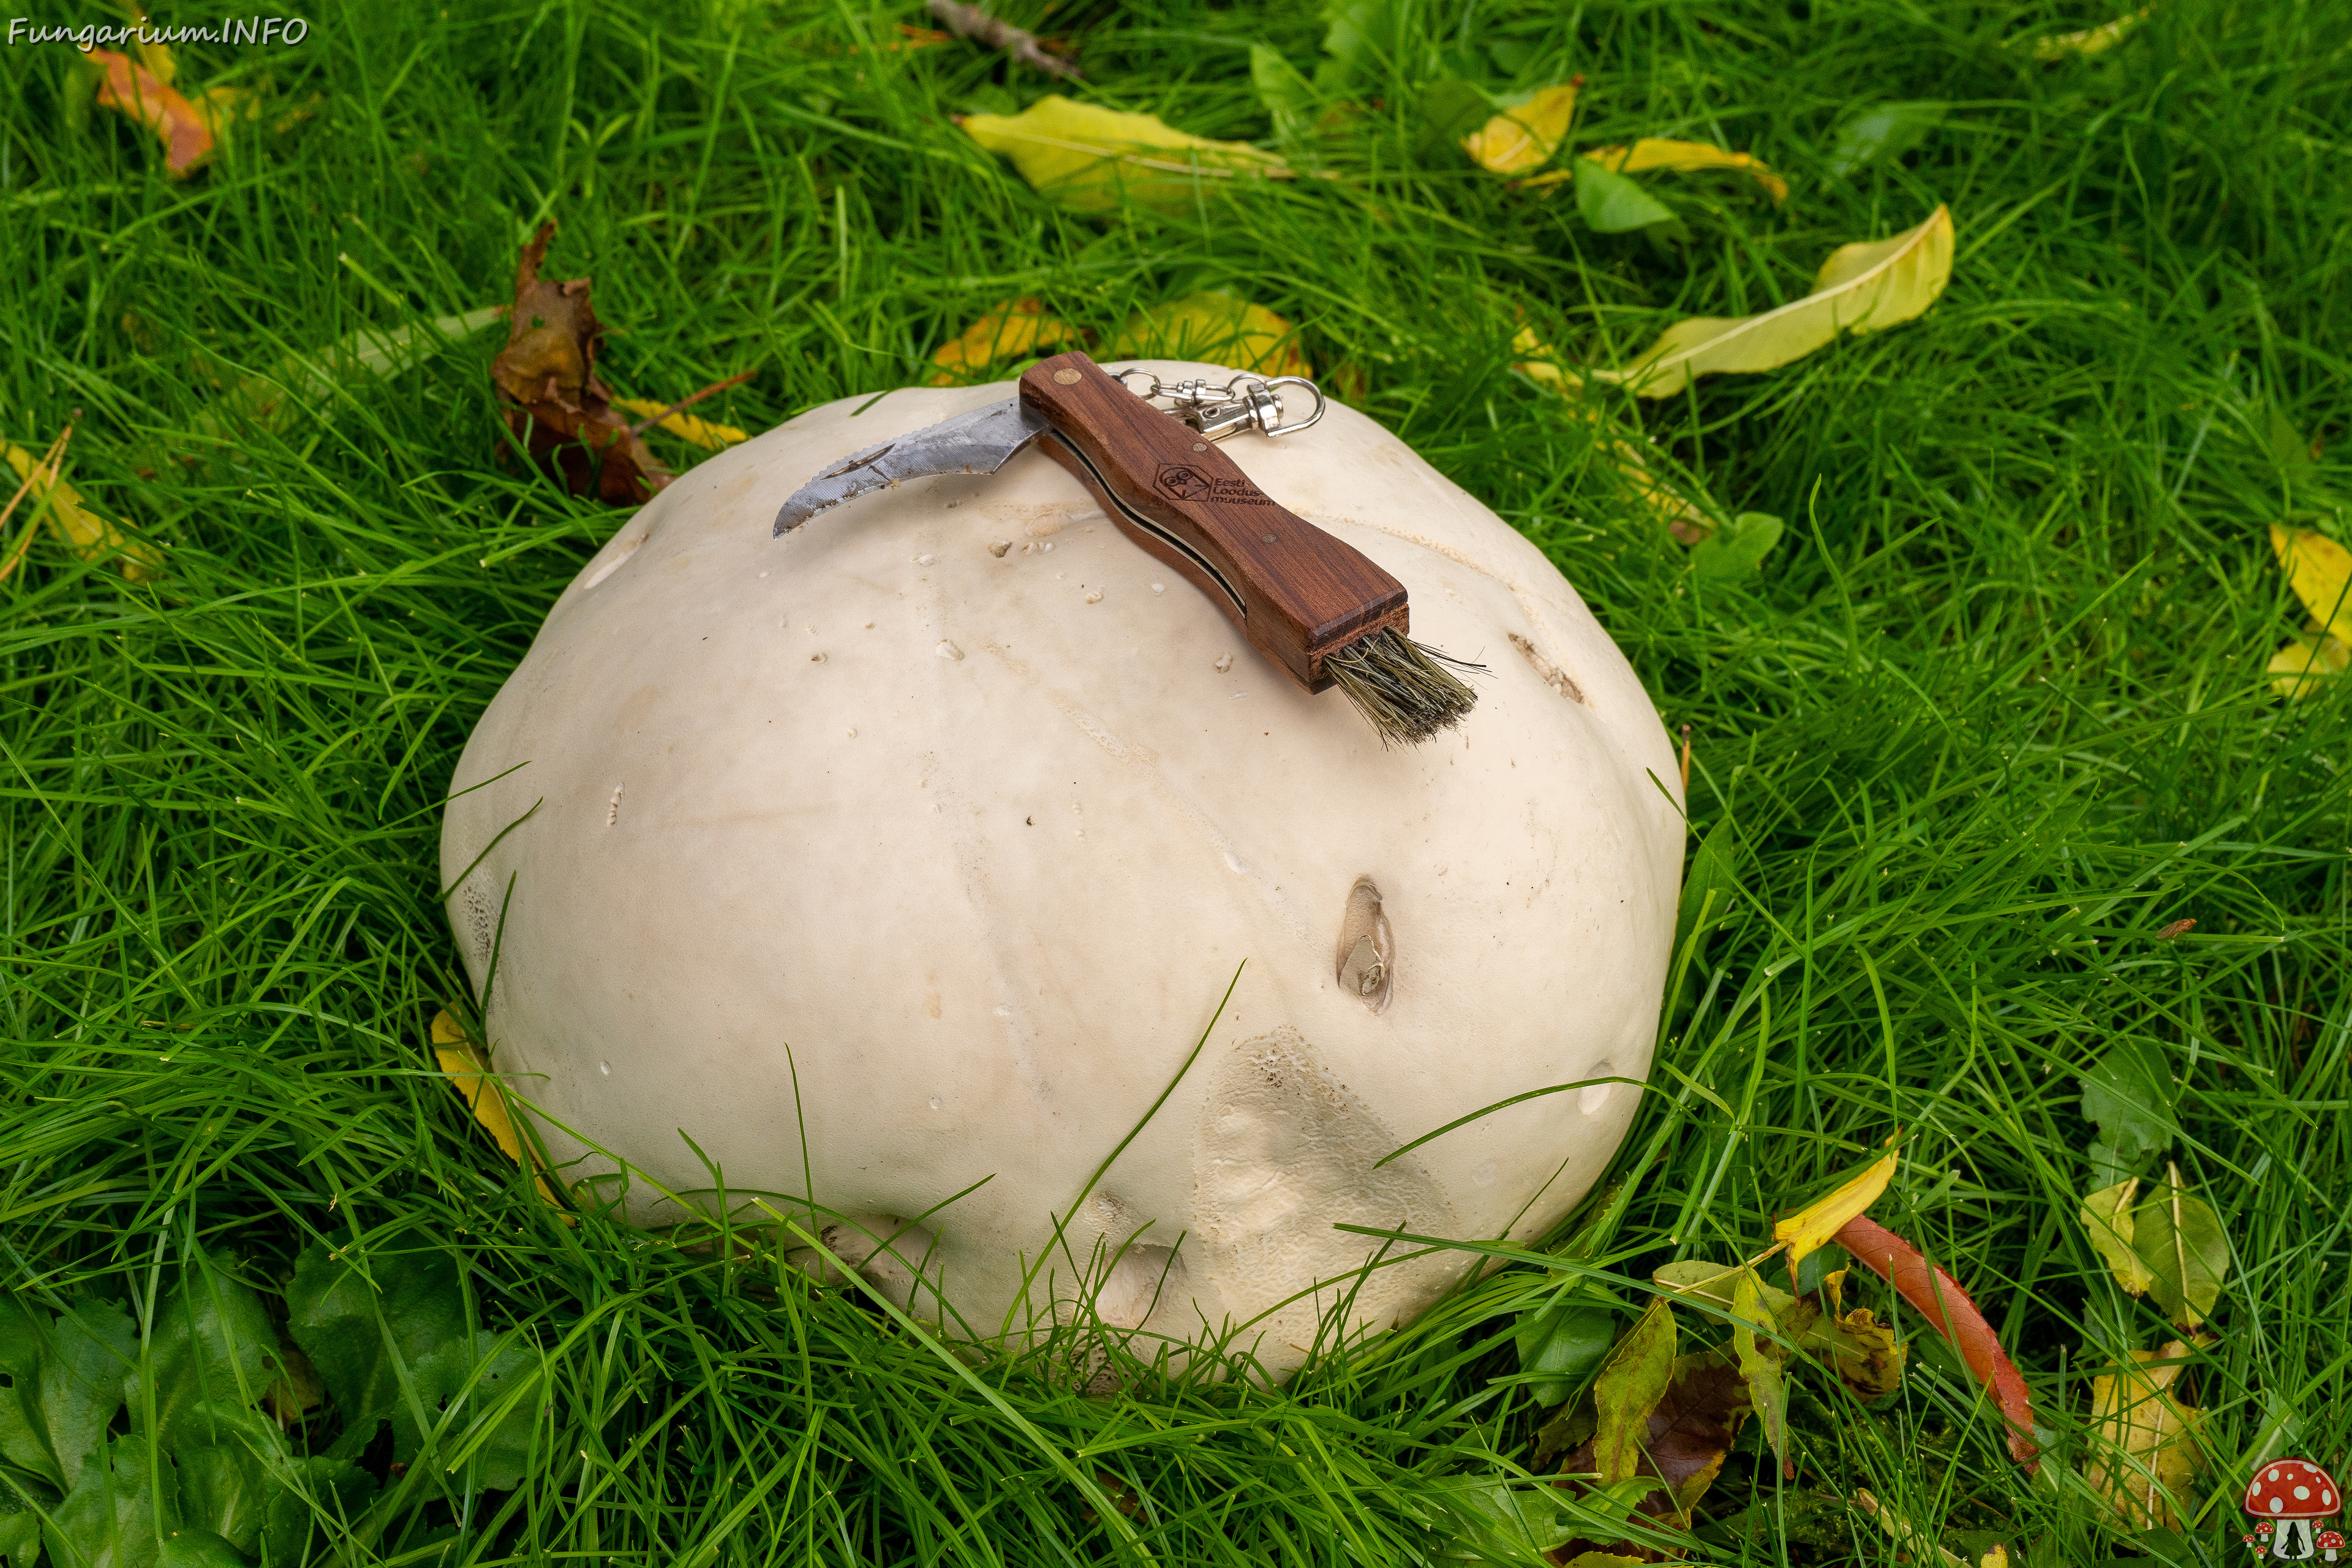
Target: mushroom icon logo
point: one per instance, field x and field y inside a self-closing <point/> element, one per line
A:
<point x="2291" y="1497"/>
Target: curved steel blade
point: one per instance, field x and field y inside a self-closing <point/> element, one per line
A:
<point x="979" y="442"/>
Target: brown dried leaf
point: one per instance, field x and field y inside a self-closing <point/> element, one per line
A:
<point x="1688" y="1432"/>
<point x="130" y="88"/>
<point x="555" y="403"/>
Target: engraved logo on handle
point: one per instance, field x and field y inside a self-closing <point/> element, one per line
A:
<point x="1184" y="483"/>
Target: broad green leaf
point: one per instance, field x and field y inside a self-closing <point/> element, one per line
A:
<point x="1681" y="157"/>
<point x="2319" y="570"/>
<point x="2127" y="1095"/>
<point x="1524" y="137"/>
<point x="231" y="1460"/>
<point x="1361" y="42"/>
<point x="109" y="1519"/>
<point x="212" y="1341"/>
<point x="1716" y="1283"/>
<point x="1287" y="96"/>
<point x="1449" y="109"/>
<point x="1093" y="160"/>
<point x="1563" y="1342"/>
<point x="189" y="1547"/>
<point x="55" y="1415"/>
<point x="1215" y="328"/>
<point x="401" y="1348"/>
<point x="2144" y="1453"/>
<point x="1628" y="1389"/>
<point x="1814" y="1225"/>
<point x="20" y="1526"/>
<point x="1863" y="287"/>
<point x="2107" y="1215"/>
<point x="324" y="1494"/>
<point x="1737" y="548"/>
<point x="1611" y="203"/>
<point x="278" y="398"/>
<point x="1759" y="1358"/>
<point x="2179" y="1238"/>
<point x="1887" y="130"/>
<point x="2308" y="665"/>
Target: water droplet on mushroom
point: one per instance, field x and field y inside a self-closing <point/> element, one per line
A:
<point x="1003" y="1011"/>
<point x="1047" y="547"/>
<point x="1159" y="587"/>
<point x="1237" y="696"/>
<point x="997" y="547"/>
<point x="1235" y="864"/>
<point x="925" y="560"/>
<point x="936" y="1102"/>
<point x="1367" y="947"/>
<point x="604" y="1067"/>
<point x="1225" y="662"/>
<point x="1094" y="596"/>
<point x="948" y="650"/>
<point x="1485" y="1174"/>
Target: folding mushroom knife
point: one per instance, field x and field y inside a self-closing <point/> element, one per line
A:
<point x="1313" y="604"/>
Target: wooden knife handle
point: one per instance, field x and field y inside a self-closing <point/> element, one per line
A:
<point x="1295" y="591"/>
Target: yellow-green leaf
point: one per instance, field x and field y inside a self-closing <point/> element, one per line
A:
<point x="2145" y="1445"/>
<point x="2304" y="667"/>
<point x="2107" y="1215"/>
<point x="81" y="531"/>
<point x="1525" y="138"/>
<point x="1860" y="289"/>
<point x="1216" y="328"/>
<point x="2179" y="1238"/>
<point x="1814" y="1225"/>
<point x="1759" y="1359"/>
<point x="1016" y="329"/>
<point x="484" y="1093"/>
<point x="2319" y="570"/>
<point x="1920" y="1545"/>
<point x="702" y="433"/>
<point x="1628" y="1388"/>
<point x="1657" y="152"/>
<point x="1684" y="521"/>
<point x="1091" y="158"/>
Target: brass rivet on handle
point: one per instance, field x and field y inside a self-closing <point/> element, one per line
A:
<point x="1066" y="378"/>
<point x="1266" y="539"/>
<point x="1200" y="446"/>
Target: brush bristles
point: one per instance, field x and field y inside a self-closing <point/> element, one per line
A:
<point x="1402" y="686"/>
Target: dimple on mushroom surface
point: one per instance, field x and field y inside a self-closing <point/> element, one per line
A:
<point x="961" y="895"/>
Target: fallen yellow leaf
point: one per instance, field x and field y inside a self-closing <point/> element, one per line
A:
<point x="1656" y="153"/>
<point x="1684" y="521"/>
<point x="2304" y="667"/>
<point x="2145" y="1438"/>
<point x="1216" y="328"/>
<point x="1525" y="138"/>
<point x="132" y="89"/>
<point x="702" y="433"/>
<point x="2107" y="1215"/>
<point x="1091" y="158"/>
<point x="83" y="531"/>
<point x="1811" y="1227"/>
<point x="485" y="1095"/>
<point x="2319" y="570"/>
<point x="1863" y="287"/>
<point x="1014" y="330"/>
<point x="2090" y="40"/>
<point x="1995" y="1558"/>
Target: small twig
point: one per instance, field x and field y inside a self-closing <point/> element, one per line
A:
<point x="691" y="399"/>
<point x="46" y="472"/>
<point x="971" y="22"/>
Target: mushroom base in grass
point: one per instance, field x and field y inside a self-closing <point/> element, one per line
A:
<point x="938" y="827"/>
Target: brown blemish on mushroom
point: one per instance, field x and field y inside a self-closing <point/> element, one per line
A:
<point x="612" y="812"/>
<point x="1367" y="947"/>
<point x="1559" y="679"/>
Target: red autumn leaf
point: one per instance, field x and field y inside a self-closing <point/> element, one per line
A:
<point x="131" y="88"/>
<point x="1937" y="1297"/>
<point x="555" y="403"/>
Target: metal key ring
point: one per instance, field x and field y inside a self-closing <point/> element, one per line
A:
<point x="1296" y="425"/>
<point x="1120" y="376"/>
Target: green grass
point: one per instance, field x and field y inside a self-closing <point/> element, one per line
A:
<point x="1991" y="715"/>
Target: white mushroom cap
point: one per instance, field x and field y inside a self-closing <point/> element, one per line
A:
<point x="961" y="895"/>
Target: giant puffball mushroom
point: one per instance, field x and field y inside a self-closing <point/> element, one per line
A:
<point x="938" y="828"/>
<point x="2293" y="1494"/>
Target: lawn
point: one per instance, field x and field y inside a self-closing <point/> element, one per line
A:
<point x="1989" y="722"/>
